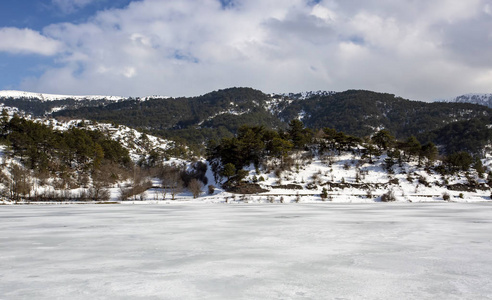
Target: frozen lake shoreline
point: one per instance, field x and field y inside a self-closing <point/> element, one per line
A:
<point x="268" y="251"/>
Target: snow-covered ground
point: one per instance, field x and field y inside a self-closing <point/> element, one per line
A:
<point x="279" y="251"/>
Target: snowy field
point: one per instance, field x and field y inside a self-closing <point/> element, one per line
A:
<point x="238" y="251"/>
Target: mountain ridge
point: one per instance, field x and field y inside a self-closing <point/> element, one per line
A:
<point x="54" y="97"/>
<point x="484" y="99"/>
<point x="221" y="113"/>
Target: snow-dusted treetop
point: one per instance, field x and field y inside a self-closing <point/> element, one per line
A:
<point x="52" y="97"/>
<point x="306" y="94"/>
<point x="482" y="99"/>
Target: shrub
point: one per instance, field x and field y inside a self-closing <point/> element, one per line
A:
<point x="211" y="189"/>
<point x="198" y="171"/>
<point x="394" y="181"/>
<point x="324" y="194"/>
<point x="423" y="181"/>
<point x="311" y="186"/>
<point x="99" y="193"/>
<point x="446" y="196"/>
<point x="388" y="197"/>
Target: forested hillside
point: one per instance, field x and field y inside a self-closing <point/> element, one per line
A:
<point x="360" y="113"/>
<point x="39" y="108"/>
<point x="196" y="120"/>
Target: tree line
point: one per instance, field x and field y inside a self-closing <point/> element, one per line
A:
<point x="65" y="159"/>
<point x="253" y="145"/>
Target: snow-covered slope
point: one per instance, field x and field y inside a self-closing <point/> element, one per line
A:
<point x="481" y="99"/>
<point x="52" y="97"/>
<point x="138" y="144"/>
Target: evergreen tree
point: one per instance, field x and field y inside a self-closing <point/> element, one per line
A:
<point x="383" y="139"/>
<point x="229" y="171"/>
<point x="298" y="134"/>
<point x="429" y="151"/>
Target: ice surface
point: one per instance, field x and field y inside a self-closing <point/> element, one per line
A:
<point x="238" y="251"/>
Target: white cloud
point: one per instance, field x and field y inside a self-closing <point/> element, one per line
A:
<point x="27" y="41"/>
<point x="189" y="47"/>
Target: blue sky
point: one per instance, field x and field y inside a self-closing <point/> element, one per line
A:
<point x="417" y="49"/>
<point x="36" y="15"/>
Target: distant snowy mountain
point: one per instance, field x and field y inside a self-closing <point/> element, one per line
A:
<point x="51" y="97"/>
<point x="481" y="99"/>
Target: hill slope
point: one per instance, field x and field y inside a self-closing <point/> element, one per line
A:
<point x="220" y="113"/>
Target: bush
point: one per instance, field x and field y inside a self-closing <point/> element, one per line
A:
<point x="423" y="181"/>
<point x="446" y="196"/>
<point x="198" y="171"/>
<point x="388" y="197"/>
<point x="99" y="194"/>
<point x="324" y="194"/>
<point x="134" y="190"/>
<point x="211" y="189"/>
<point x="312" y="186"/>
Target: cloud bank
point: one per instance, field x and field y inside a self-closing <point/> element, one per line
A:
<point x="26" y="41"/>
<point x="416" y="49"/>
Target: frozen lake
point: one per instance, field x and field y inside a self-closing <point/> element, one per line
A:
<point x="219" y="251"/>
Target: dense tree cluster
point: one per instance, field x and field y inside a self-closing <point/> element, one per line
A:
<point x="358" y="112"/>
<point x="196" y="119"/>
<point x="469" y="135"/>
<point x="44" y="149"/>
<point x="252" y="145"/>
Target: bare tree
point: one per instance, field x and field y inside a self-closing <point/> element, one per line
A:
<point x="177" y="187"/>
<point x="99" y="189"/>
<point x="171" y="180"/>
<point x="20" y="182"/>
<point x="195" y="187"/>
